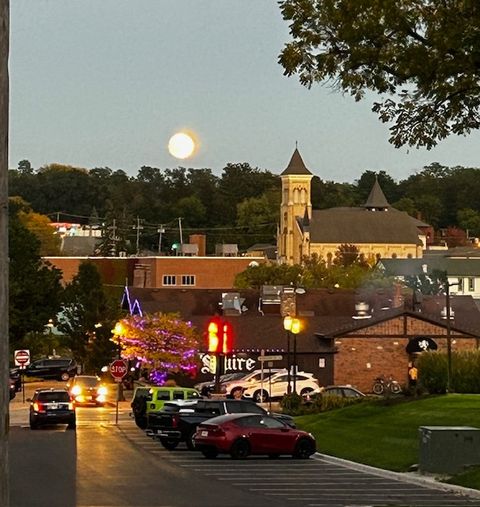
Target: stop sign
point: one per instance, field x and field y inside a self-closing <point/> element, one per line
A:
<point x="22" y="358"/>
<point x="118" y="369"/>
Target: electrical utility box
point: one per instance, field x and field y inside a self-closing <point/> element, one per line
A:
<point x="448" y="449"/>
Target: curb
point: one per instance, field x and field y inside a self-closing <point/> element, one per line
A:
<point x="399" y="476"/>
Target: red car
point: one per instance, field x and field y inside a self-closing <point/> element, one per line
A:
<point x="243" y="434"/>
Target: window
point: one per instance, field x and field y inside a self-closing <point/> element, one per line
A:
<point x="178" y="395"/>
<point x="270" y="422"/>
<point x="169" y="280"/>
<point x="188" y="279"/>
<point x="460" y="285"/>
<point x="471" y="284"/>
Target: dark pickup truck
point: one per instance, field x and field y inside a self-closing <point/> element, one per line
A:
<point x="177" y="422"/>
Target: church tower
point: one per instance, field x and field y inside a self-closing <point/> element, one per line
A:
<point x="295" y="207"/>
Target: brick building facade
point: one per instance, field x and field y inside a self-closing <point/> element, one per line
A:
<point x="335" y="345"/>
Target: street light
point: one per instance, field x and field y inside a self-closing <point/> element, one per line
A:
<point x="448" y="315"/>
<point x="291" y="326"/>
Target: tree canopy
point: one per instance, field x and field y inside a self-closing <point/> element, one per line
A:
<point x="160" y="342"/>
<point x="421" y="56"/>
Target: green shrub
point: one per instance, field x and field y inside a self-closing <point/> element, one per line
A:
<point x="294" y="405"/>
<point x="465" y="368"/>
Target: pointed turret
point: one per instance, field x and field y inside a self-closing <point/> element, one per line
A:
<point x="376" y="200"/>
<point x="306" y="219"/>
<point x="296" y="165"/>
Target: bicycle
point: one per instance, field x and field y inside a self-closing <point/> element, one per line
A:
<point x="381" y="385"/>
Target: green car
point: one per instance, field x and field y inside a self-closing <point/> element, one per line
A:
<point x="148" y="399"/>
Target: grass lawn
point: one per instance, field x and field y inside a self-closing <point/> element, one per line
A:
<point x="385" y="433"/>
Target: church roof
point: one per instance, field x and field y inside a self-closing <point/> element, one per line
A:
<point x="296" y="165"/>
<point x="358" y="225"/>
<point x="377" y="198"/>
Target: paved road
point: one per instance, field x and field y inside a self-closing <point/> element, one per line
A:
<point x="107" y="465"/>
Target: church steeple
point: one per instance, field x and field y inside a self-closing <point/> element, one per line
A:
<point x="376" y="200"/>
<point x="295" y="206"/>
<point x="296" y="165"/>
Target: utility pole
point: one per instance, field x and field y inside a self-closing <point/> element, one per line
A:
<point x="160" y="231"/>
<point x="138" y="227"/>
<point x="4" y="346"/>
<point x="180" y="230"/>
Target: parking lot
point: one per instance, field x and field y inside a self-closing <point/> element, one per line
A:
<point x="317" y="482"/>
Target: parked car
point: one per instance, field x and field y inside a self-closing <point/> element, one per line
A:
<point x="277" y="386"/>
<point x="12" y="388"/>
<point x="16" y="377"/>
<point x="87" y="389"/>
<point x="60" y="368"/>
<point x="346" y="391"/>
<point x="147" y="399"/>
<point x="207" y="388"/>
<point x="241" y="435"/>
<point x="51" y="406"/>
<point x="173" y="426"/>
<point x="249" y="380"/>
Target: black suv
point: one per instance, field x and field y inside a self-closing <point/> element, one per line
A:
<point x="58" y="368"/>
<point x="52" y="406"/>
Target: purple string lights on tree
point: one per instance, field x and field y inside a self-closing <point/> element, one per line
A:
<point x="160" y="342"/>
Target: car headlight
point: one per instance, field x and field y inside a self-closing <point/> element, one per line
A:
<point x="102" y="391"/>
<point x="76" y="390"/>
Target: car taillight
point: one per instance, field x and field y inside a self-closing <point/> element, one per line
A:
<point x="175" y="421"/>
<point x="216" y="431"/>
<point x="38" y="407"/>
<point x="70" y="406"/>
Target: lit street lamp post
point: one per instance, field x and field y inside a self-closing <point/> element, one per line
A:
<point x="448" y="316"/>
<point x="291" y="326"/>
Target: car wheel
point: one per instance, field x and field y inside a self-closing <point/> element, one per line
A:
<point x="190" y="441"/>
<point x="260" y="396"/>
<point x="240" y="449"/>
<point x="305" y="391"/>
<point x="72" y="425"/>
<point x="141" y="422"/>
<point x="210" y="453"/>
<point x="304" y="449"/>
<point x="33" y="425"/>
<point x="64" y="376"/>
<point x="169" y="444"/>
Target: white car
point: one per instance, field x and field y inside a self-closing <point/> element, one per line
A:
<point x="252" y="379"/>
<point x="277" y="386"/>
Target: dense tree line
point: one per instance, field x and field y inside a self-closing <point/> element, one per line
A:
<point x="239" y="206"/>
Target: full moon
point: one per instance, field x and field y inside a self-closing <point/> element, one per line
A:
<point x="181" y="145"/>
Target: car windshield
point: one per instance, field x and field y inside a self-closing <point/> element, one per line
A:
<point x="53" y="396"/>
<point x="87" y="381"/>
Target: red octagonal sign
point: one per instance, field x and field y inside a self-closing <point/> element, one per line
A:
<point x="118" y="369"/>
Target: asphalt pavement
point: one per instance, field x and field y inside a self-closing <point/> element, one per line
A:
<point x="122" y="419"/>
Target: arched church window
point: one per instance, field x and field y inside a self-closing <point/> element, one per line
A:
<point x="296" y="196"/>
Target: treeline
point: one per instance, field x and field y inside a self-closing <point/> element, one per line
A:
<point x="239" y="206"/>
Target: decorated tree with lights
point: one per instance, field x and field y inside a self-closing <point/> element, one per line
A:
<point x="160" y="342"/>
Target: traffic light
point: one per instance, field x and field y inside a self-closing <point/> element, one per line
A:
<point x="220" y="336"/>
<point x="227" y="337"/>
<point x="213" y="335"/>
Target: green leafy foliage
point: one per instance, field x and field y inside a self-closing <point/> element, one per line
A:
<point x="161" y="342"/>
<point x="432" y="367"/>
<point x="87" y="317"/>
<point x="420" y="56"/>
<point x="34" y="286"/>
